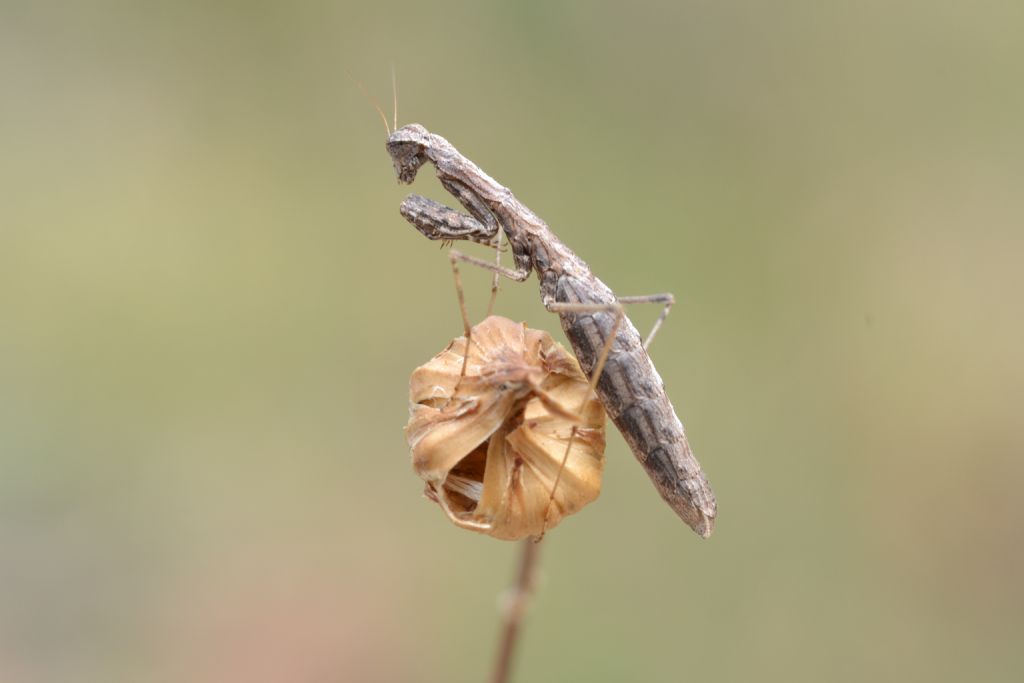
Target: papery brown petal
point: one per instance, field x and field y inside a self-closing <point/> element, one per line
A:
<point x="497" y="476"/>
<point x="495" y="337"/>
<point x="555" y="359"/>
<point x="542" y="444"/>
<point x="439" y="439"/>
<point x="438" y="376"/>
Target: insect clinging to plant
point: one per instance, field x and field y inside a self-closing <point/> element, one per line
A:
<point x="606" y="343"/>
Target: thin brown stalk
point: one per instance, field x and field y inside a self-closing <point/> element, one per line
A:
<point x="515" y="608"/>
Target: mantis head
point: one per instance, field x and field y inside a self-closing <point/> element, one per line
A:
<point x="408" y="146"/>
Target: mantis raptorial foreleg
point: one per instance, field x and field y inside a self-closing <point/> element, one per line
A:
<point x="477" y="209"/>
<point x="438" y="222"/>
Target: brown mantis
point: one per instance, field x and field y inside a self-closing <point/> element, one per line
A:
<point x="606" y="343"/>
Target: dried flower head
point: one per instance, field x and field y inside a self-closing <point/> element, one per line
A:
<point x="491" y="453"/>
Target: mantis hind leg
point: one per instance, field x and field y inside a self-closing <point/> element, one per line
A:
<point x="666" y="299"/>
<point x="615" y="307"/>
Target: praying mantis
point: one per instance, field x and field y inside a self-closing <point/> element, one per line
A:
<point x="606" y="343"/>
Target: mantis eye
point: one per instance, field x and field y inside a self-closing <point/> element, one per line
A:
<point x="491" y="459"/>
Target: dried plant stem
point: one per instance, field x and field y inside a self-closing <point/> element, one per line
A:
<point x="515" y="607"/>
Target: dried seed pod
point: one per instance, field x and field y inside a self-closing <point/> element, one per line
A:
<point x="491" y="453"/>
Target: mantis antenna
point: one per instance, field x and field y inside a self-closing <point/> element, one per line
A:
<point x="394" y="97"/>
<point x="370" y="98"/>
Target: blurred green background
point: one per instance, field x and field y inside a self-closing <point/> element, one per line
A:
<point x="209" y="308"/>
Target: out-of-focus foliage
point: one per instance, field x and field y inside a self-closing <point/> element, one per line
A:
<point x="209" y="308"/>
